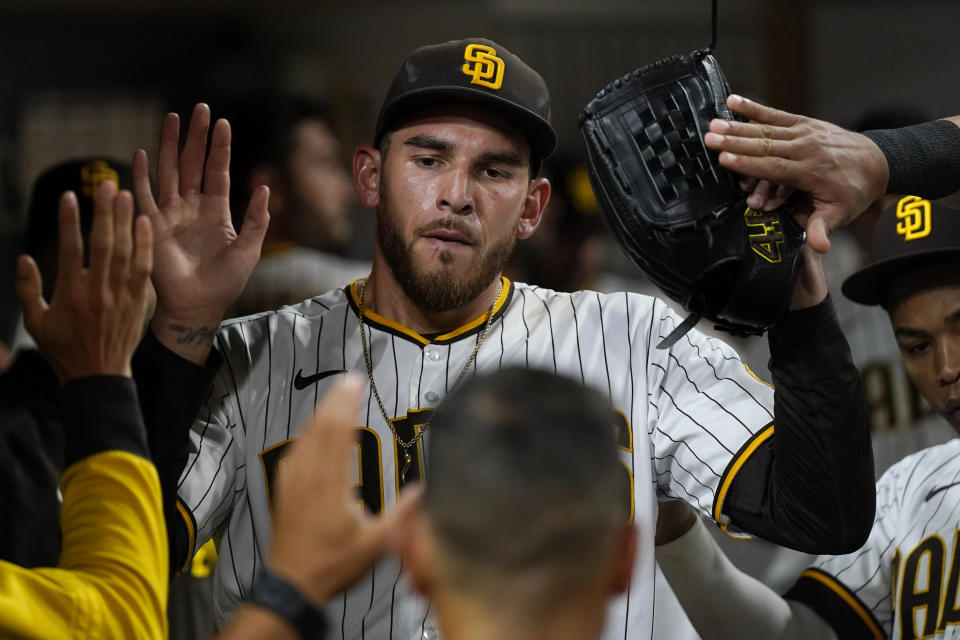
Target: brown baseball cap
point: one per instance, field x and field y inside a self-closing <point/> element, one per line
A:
<point x="913" y="233"/>
<point x="82" y="176"/>
<point x="473" y="71"/>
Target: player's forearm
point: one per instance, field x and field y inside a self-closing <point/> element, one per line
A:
<point x="113" y="532"/>
<point x="171" y="392"/>
<point x="922" y="159"/>
<point x="722" y="602"/>
<point x="953" y="200"/>
<point x="189" y="336"/>
<point x="810" y="487"/>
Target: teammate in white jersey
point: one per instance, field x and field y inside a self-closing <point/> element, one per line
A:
<point x="903" y="583"/>
<point x="452" y="176"/>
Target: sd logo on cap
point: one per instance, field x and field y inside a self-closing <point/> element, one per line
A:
<point x="912" y="234"/>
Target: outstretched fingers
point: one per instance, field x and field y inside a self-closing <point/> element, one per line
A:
<point x="70" y="242"/>
<point x="217" y="178"/>
<point x="168" y="171"/>
<point x="760" y="113"/>
<point x="101" y="234"/>
<point x="194" y="150"/>
<point x="772" y="168"/>
<point x="141" y="183"/>
<point x="751" y="140"/>
<point x="331" y="432"/>
<point x="142" y="254"/>
<point x="29" y="290"/>
<point x="122" y="242"/>
<point x="255" y="223"/>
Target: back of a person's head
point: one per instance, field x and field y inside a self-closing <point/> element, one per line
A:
<point x="526" y="496"/>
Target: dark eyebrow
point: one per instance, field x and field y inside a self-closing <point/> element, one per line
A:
<point x="506" y="158"/>
<point x="429" y="142"/>
<point x="906" y="332"/>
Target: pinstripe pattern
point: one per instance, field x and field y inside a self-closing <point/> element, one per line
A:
<point x="915" y="503"/>
<point x="689" y="409"/>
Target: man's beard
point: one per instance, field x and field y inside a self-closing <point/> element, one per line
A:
<point x="438" y="290"/>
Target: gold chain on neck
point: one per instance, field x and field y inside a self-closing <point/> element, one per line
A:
<point x="406" y="446"/>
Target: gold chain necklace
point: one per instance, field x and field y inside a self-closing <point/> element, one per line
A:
<point x="407" y="458"/>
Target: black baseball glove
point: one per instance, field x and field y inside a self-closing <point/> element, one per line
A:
<point x="678" y="214"/>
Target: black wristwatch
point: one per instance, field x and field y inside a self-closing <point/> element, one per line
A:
<point x="275" y="594"/>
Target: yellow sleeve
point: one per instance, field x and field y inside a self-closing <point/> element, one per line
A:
<point x="112" y="577"/>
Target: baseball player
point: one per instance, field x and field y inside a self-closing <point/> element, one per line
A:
<point x="452" y="176"/>
<point x="903" y="583"/>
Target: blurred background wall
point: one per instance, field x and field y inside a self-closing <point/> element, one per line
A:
<point x="94" y="76"/>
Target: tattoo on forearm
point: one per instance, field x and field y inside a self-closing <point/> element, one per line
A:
<point x="194" y="335"/>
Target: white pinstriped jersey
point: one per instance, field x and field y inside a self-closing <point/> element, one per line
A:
<point x="688" y="417"/>
<point x="903" y="582"/>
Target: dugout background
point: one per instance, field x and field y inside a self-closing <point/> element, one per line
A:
<point x="94" y="76"/>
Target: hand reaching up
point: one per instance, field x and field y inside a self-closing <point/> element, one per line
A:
<point x="95" y="318"/>
<point x="202" y="263"/>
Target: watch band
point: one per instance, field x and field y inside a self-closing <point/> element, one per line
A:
<point x="275" y="594"/>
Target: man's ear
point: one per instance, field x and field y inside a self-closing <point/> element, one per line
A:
<point x="624" y="553"/>
<point x="538" y="194"/>
<point x="267" y="174"/>
<point x="367" y="169"/>
<point x="417" y="548"/>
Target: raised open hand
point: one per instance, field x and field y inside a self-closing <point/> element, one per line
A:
<point x="202" y="263"/>
<point x="323" y="542"/>
<point x="843" y="172"/>
<point x="96" y="316"/>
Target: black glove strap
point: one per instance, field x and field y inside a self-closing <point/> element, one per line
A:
<point x="275" y="594"/>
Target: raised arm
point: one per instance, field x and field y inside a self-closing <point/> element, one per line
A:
<point x="202" y="263"/>
<point x="112" y="577"/>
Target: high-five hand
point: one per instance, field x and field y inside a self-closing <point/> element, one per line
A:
<point x="201" y="262"/>
<point x="842" y="172"/>
<point x="95" y="318"/>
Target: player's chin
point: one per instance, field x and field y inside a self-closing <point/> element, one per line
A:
<point x="455" y="257"/>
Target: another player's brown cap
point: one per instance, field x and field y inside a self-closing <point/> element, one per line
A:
<point x="911" y="234"/>
<point x="82" y="176"/>
<point x="475" y="71"/>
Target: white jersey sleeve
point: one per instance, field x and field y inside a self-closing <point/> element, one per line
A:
<point x="708" y="414"/>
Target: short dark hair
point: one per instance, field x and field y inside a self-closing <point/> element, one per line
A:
<point x="526" y="494"/>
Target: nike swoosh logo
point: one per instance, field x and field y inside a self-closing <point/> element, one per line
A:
<point x="302" y="382"/>
<point x="934" y="492"/>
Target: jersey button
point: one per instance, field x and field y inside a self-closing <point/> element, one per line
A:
<point x="431" y="396"/>
<point x="433" y="354"/>
<point x="430" y="633"/>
